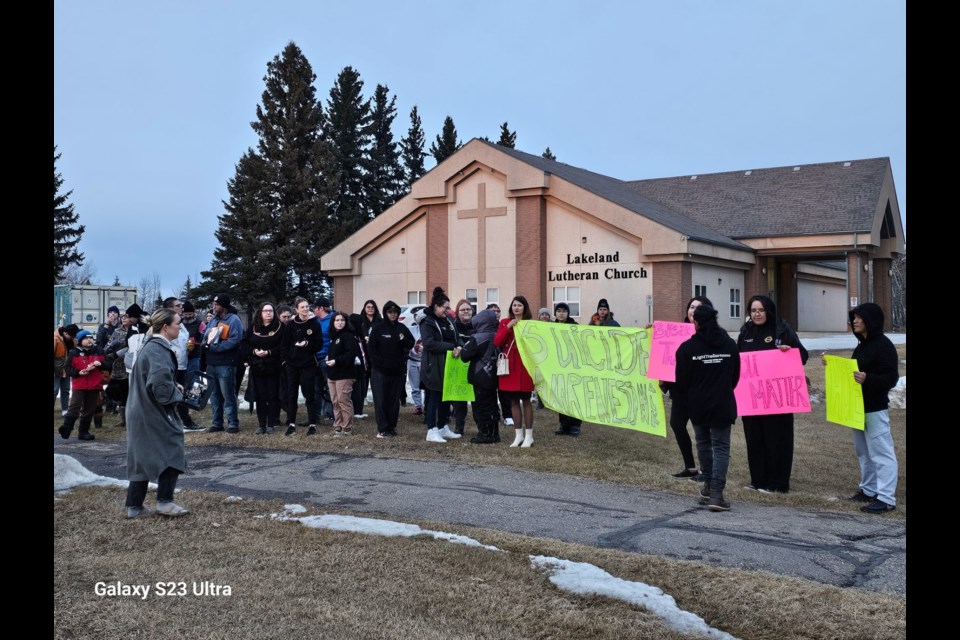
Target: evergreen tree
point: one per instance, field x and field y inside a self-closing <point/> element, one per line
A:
<point x="350" y="132"/>
<point x="187" y="290"/>
<point x="446" y="143"/>
<point x="116" y="281"/>
<point x="549" y="154"/>
<point x="386" y="178"/>
<point x="66" y="230"/>
<point x="276" y="223"/>
<point x="411" y="147"/>
<point x="507" y="138"/>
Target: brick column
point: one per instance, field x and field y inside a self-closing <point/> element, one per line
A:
<point x="672" y="287"/>
<point x="754" y="280"/>
<point x="857" y="277"/>
<point x="342" y="293"/>
<point x="531" y="247"/>
<point x="883" y="289"/>
<point x="438" y="269"/>
<point x="787" y="293"/>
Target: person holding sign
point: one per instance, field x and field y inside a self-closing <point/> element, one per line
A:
<point x="678" y="410"/>
<point x="481" y="353"/>
<point x="879" y="371"/>
<point x="439" y="336"/>
<point x="769" y="437"/>
<point x="569" y="426"/>
<point x="708" y="369"/>
<point x="389" y="342"/>
<point x="518" y="384"/>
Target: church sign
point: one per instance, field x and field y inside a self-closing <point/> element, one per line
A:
<point x="610" y="273"/>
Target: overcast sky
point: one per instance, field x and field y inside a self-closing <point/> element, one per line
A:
<point x="153" y="101"/>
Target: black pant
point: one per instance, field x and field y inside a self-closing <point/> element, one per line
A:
<point x="360" y="387"/>
<point x="297" y="379"/>
<point x="769" y="450"/>
<point x="137" y="489"/>
<point x="504" y="399"/>
<point x="485" y="412"/>
<point x="460" y="414"/>
<point x="678" y="423"/>
<point x="266" y="387"/>
<point x="386" y="399"/>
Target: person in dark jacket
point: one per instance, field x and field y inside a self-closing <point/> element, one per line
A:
<point x="85" y="367"/>
<point x="262" y="349"/>
<point x="439" y="336"/>
<point x="708" y="369"/>
<point x="879" y="371"/>
<point x="303" y="340"/>
<point x="361" y="323"/>
<point x="481" y="353"/>
<point x="223" y="335"/>
<point x="769" y="438"/>
<point x="569" y="426"/>
<point x="603" y="317"/>
<point x="343" y="354"/>
<point x="678" y="411"/>
<point x="387" y="348"/>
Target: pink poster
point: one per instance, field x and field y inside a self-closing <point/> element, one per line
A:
<point x="771" y="382"/>
<point x="667" y="337"/>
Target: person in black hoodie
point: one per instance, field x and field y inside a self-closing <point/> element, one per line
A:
<point x="569" y="426"/>
<point x="708" y="369"/>
<point x="481" y="353"/>
<point x="262" y="349"/>
<point x="387" y="347"/>
<point x="361" y="323"/>
<point x="879" y="372"/>
<point x="769" y="438"/>
<point x="342" y="371"/>
<point x="304" y="338"/>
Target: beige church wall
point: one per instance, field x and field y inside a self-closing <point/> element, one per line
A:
<point x="499" y="269"/>
<point x="608" y="264"/>
<point x="718" y="282"/>
<point x="393" y="268"/>
<point x="822" y="306"/>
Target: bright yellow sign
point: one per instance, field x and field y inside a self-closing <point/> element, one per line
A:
<point x="844" y="394"/>
<point x="455" y="385"/>
<point x="596" y="374"/>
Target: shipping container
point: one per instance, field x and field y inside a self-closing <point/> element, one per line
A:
<point x="85" y="305"/>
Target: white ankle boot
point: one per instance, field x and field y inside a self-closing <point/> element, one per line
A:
<point x="518" y="438"/>
<point x="528" y="438"/>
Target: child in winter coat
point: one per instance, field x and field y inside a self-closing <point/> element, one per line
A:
<point x="84" y="364"/>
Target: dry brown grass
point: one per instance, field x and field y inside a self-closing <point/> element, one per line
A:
<point x="291" y="581"/>
<point x="824" y="471"/>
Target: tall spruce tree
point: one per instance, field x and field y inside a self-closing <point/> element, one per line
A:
<point x="385" y="181"/>
<point x="350" y="132"/>
<point x="411" y="147"/>
<point x="507" y="138"/>
<point x="446" y="143"/>
<point x="548" y="154"/>
<point x="276" y="224"/>
<point x="66" y="230"/>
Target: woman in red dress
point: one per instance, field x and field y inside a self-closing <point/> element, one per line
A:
<point x="518" y="384"/>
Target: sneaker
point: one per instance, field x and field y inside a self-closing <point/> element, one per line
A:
<point x="860" y="496"/>
<point x="508" y="422"/>
<point x="193" y="427"/>
<point x="312" y="430"/>
<point x="705" y="490"/>
<point x="717" y="503"/>
<point x="433" y="435"/>
<point x="233" y="430"/>
<point x="214" y="429"/>
<point x="139" y="512"/>
<point x="262" y="431"/>
<point x="449" y="435"/>
<point x="338" y="431"/>
<point x="698" y="478"/>
<point x="393" y="433"/>
<point x="171" y="509"/>
<point x="764" y="490"/>
<point x="877" y="506"/>
<point x="418" y="411"/>
<point x="561" y="431"/>
<point x="347" y="431"/>
<point x="271" y="430"/>
<point x="359" y="416"/>
<point x="290" y="430"/>
<point x="383" y="434"/>
<point x="86" y="436"/>
<point x="686" y="473"/>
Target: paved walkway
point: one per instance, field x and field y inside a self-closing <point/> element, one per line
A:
<point x="834" y="548"/>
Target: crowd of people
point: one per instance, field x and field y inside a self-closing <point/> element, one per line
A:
<point x="332" y="358"/>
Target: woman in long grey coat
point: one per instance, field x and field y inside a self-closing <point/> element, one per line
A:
<point x="154" y="430"/>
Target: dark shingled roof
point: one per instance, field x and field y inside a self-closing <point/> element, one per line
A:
<point x="819" y="198"/>
<point x="618" y="192"/>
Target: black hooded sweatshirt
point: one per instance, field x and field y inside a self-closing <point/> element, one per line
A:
<point x="770" y="334"/>
<point x="877" y="357"/>
<point x="708" y="369"/>
<point x="388" y="345"/>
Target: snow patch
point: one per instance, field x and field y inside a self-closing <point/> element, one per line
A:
<point x="232" y="499"/>
<point x="389" y="528"/>
<point x="898" y="395"/>
<point x="585" y="578"/>
<point x="68" y="473"/>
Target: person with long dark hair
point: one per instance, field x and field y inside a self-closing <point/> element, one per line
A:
<point x="518" y="384"/>
<point x="569" y="426"/>
<point x="303" y="340"/>
<point x="262" y="349"/>
<point x="464" y="313"/>
<point x="439" y="336"/>
<point x="390" y="340"/>
<point x="678" y="410"/>
<point x="342" y="371"/>
<point x="155" y="448"/>
<point x="769" y="438"/>
<point x="361" y="323"/>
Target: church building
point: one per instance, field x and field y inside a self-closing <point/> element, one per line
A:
<point x="490" y="222"/>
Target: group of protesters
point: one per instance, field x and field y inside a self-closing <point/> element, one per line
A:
<point x="331" y="358"/>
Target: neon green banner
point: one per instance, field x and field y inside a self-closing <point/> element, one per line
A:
<point x="844" y="395"/>
<point x="455" y="385"/>
<point x="596" y="374"/>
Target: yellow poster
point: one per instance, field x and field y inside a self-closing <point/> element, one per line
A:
<point x="596" y="374"/>
<point x="455" y="385"/>
<point x="844" y="395"/>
